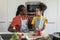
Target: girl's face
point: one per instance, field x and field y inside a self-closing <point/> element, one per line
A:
<point x="38" y="12"/>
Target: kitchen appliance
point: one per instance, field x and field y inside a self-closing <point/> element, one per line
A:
<point x="56" y="36"/>
<point x="31" y="6"/>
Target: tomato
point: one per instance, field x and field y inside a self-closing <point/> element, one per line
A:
<point x="39" y="33"/>
<point x="20" y="35"/>
<point x="33" y="34"/>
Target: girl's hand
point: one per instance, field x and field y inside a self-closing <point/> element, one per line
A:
<point x="37" y="29"/>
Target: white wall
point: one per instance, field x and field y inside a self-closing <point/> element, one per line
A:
<point x="8" y="11"/>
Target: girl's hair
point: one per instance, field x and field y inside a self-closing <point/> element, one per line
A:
<point x="19" y="9"/>
<point x="42" y="7"/>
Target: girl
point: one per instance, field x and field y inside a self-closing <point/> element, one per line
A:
<point x="39" y="21"/>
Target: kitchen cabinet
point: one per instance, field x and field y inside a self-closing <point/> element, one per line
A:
<point x="58" y="16"/>
<point x="51" y="14"/>
<point x="3" y="15"/>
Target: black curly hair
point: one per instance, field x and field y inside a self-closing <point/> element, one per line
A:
<point x="19" y="9"/>
<point x="42" y="7"/>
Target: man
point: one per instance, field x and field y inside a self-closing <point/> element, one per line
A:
<point x="20" y="21"/>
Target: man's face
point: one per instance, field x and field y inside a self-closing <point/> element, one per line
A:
<point x="24" y="11"/>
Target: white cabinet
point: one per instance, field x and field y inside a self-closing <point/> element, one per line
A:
<point x="3" y="10"/>
<point x="3" y="15"/>
<point x="58" y="15"/>
<point x="51" y="14"/>
<point x="12" y="7"/>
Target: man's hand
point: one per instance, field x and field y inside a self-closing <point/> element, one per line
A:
<point x="11" y="29"/>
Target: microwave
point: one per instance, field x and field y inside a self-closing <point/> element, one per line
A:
<point x="31" y="6"/>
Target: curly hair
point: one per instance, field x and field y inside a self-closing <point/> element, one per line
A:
<point x="42" y="7"/>
<point x="19" y="9"/>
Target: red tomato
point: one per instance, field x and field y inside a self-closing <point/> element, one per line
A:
<point x="20" y="35"/>
<point x="39" y="33"/>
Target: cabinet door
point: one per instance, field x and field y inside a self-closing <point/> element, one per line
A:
<point x="51" y="14"/>
<point x="3" y="15"/>
<point x="58" y="15"/>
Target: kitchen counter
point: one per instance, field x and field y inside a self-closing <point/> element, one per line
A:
<point x="8" y="35"/>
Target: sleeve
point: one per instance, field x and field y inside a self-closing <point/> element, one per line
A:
<point x="14" y="22"/>
<point x="33" y="21"/>
<point x="45" y="21"/>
